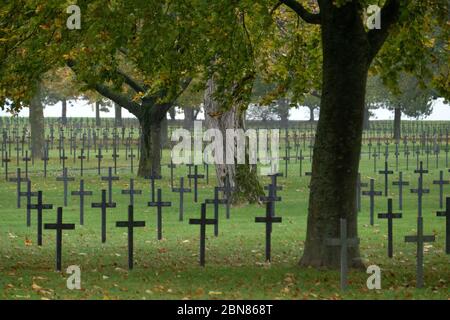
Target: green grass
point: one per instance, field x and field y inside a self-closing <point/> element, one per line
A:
<point x="235" y="267"/>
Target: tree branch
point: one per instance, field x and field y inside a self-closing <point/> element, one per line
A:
<point x="132" y="83"/>
<point x="118" y="98"/>
<point x="389" y="15"/>
<point x="313" y="18"/>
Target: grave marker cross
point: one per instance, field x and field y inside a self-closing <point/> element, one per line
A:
<point x="400" y="183"/>
<point x="59" y="226"/>
<point x="419" y="239"/>
<point x="159" y="204"/>
<point x="39" y="206"/>
<point x="202" y="222"/>
<point x="446" y="214"/>
<point x="110" y="178"/>
<point x="181" y="190"/>
<point x="441" y="182"/>
<point x="390" y="216"/>
<point x="81" y="193"/>
<point x="344" y="243"/>
<point x="386" y="173"/>
<point x="130" y="224"/>
<point x="372" y="193"/>
<point x="216" y="201"/>
<point x="196" y="176"/>
<point x="65" y="179"/>
<point x="131" y="192"/>
<point x="269" y="219"/>
<point x="103" y="206"/>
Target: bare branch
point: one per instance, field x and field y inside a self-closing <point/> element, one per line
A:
<point x="313" y="18"/>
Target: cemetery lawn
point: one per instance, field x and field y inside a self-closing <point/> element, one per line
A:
<point x="235" y="267"/>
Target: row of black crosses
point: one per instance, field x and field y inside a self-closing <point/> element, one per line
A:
<point x="419" y="238"/>
<point x="105" y="203"/>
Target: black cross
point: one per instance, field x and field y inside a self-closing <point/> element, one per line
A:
<point x="103" y="205"/>
<point x="272" y="197"/>
<point x="26" y="159"/>
<point x="181" y="190"/>
<point x="65" y="179"/>
<point x="202" y="222"/>
<point x="45" y="158"/>
<point x="131" y="156"/>
<point x="130" y="224"/>
<point x="227" y="189"/>
<point x="372" y="193"/>
<point x="301" y="158"/>
<point x="171" y="166"/>
<point x="441" y="182"/>
<point x="446" y="214"/>
<point x="420" y="239"/>
<point x="421" y="171"/>
<point x="110" y="178"/>
<point x="131" y="192"/>
<point x="81" y="193"/>
<point x="359" y="185"/>
<point x="268" y="220"/>
<point x="19" y="181"/>
<point x="159" y="204"/>
<point x="390" y="216"/>
<point x="99" y="157"/>
<point x="216" y="201"/>
<point x="196" y="176"/>
<point x="82" y="157"/>
<point x="115" y="155"/>
<point x="28" y="194"/>
<point x="400" y="183"/>
<point x="6" y="160"/>
<point x="386" y="173"/>
<point x="63" y="158"/>
<point x="39" y="207"/>
<point x="59" y="226"/>
<point x="154" y="176"/>
<point x="420" y="192"/>
<point x="344" y="243"/>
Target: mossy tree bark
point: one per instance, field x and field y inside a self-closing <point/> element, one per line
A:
<point x="243" y="177"/>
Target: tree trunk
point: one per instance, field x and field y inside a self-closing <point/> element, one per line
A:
<point x="118" y="115"/>
<point x="98" y="122"/>
<point x="64" y="112"/>
<point x="311" y="114"/>
<point x="338" y="138"/>
<point x="164" y="132"/>
<point x="172" y="113"/>
<point x="188" y="122"/>
<point x="366" y="123"/>
<point x="397" y="123"/>
<point x="150" y="157"/>
<point x="243" y="177"/>
<point x="36" y="119"/>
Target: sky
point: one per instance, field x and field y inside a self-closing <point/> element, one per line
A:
<point x="82" y="108"/>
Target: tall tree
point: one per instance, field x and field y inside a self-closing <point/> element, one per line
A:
<point x="348" y="50"/>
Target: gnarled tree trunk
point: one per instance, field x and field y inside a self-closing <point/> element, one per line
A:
<point x="243" y="177"/>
